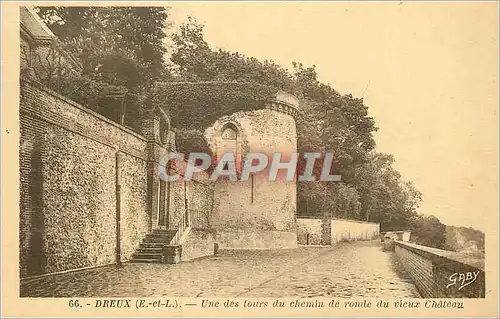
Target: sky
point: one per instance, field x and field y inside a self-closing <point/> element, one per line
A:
<point x="427" y="71"/>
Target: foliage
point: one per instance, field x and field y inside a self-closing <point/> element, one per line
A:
<point x="384" y="196"/>
<point x="326" y="201"/>
<point x="123" y="47"/>
<point x="99" y="96"/>
<point x="52" y="68"/>
<point x="85" y="90"/>
<point x="120" y="47"/>
<point x="198" y="105"/>
<point x="464" y="239"/>
<point x="340" y="122"/>
<point x="196" y="61"/>
<point x="345" y="201"/>
<point x="428" y="231"/>
<point x="48" y="64"/>
<point x="191" y="140"/>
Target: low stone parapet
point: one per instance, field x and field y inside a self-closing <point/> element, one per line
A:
<point x="442" y="274"/>
<point x="315" y="231"/>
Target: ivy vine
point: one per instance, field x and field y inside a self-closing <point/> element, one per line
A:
<point x="191" y="140"/>
<point x="197" y="105"/>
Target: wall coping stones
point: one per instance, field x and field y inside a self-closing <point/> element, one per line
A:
<point x="287" y="99"/>
<point x="41" y="87"/>
<point x="447" y="259"/>
<point x="340" y="219"/>
<point x="286" y="103"/>
<point x="395" y="231"/>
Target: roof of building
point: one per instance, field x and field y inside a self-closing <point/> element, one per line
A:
<point x="33" y="27"/>
<point x="36" y="31"/>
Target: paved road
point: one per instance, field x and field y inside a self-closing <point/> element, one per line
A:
<point x="345" y="270"/>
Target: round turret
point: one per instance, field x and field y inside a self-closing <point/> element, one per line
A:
<point x="256" y="213"/>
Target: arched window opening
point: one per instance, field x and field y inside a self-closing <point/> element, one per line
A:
<point x="229" y="133"/>
<point x="229" y="142"/>
<point x="229" y="136"/>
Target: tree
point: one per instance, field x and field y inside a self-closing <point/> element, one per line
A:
<point x="428" y="231"/>
<point x="117" y="46"/>
<point x="120" y="45"/>
<point x="345" y="202"/>
<point x="196" y="61"/>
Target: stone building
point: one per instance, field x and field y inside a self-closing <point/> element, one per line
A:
<point x="256" y="213"/>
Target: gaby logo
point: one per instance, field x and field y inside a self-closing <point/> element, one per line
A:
<point x="274" y="167"/>
<point x="462" y="279"/>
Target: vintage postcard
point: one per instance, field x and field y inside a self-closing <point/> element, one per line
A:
<point x="250" y="159"/>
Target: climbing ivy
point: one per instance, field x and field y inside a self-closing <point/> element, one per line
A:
<point x="191" y="140"/>
<point x="197" y="105"/>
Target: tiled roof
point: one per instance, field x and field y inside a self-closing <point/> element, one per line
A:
<point x="34" y="27"/>
<point x="37" y="31"/>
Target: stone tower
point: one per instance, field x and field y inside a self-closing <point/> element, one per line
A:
<point x="256" y="213"/>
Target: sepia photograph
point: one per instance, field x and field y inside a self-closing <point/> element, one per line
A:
<point x="253" y="155"/>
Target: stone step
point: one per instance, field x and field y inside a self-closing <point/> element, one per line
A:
<point x="147" y="256"/>
<point x="157" y="240"/>
<point x="153" y="260"/>
<point x="146" y="245"/>
<point x="153" y="235"/>
<point x="151" y="238"/>
<point x="164" y="231"/>
<point x="150" y="250"/>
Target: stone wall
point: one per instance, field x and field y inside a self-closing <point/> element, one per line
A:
<point x="403" y="235"/>
<point x="72" y="163"/>
<point x="135" y="219"/>
<point x="255" y="239"/>
<point x="351" y="230"/>
<point x="442" y="274"/>
<point x="200" y="204"/>
<point x="256" y="205"/>
<point x="309" y="231"/>
<point x="68" y="169"/>
<point x="321" y="232"/>
<point x="199" y="243"/>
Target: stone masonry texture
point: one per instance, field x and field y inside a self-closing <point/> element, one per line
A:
<point x="313" y="229"/>
<point x="431" y="270"/>
<point x="68" y="171"/>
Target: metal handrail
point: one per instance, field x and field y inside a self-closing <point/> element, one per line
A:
<point x="181" y="227"/>
<point x="197" y="218"/>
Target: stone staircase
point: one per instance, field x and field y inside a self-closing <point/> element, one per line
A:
<point x="151" y="248"/>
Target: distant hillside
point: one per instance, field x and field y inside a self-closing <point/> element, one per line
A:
<point x="464" y="239"/>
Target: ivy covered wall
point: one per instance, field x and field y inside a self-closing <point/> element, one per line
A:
<point x="68" y="172"/>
